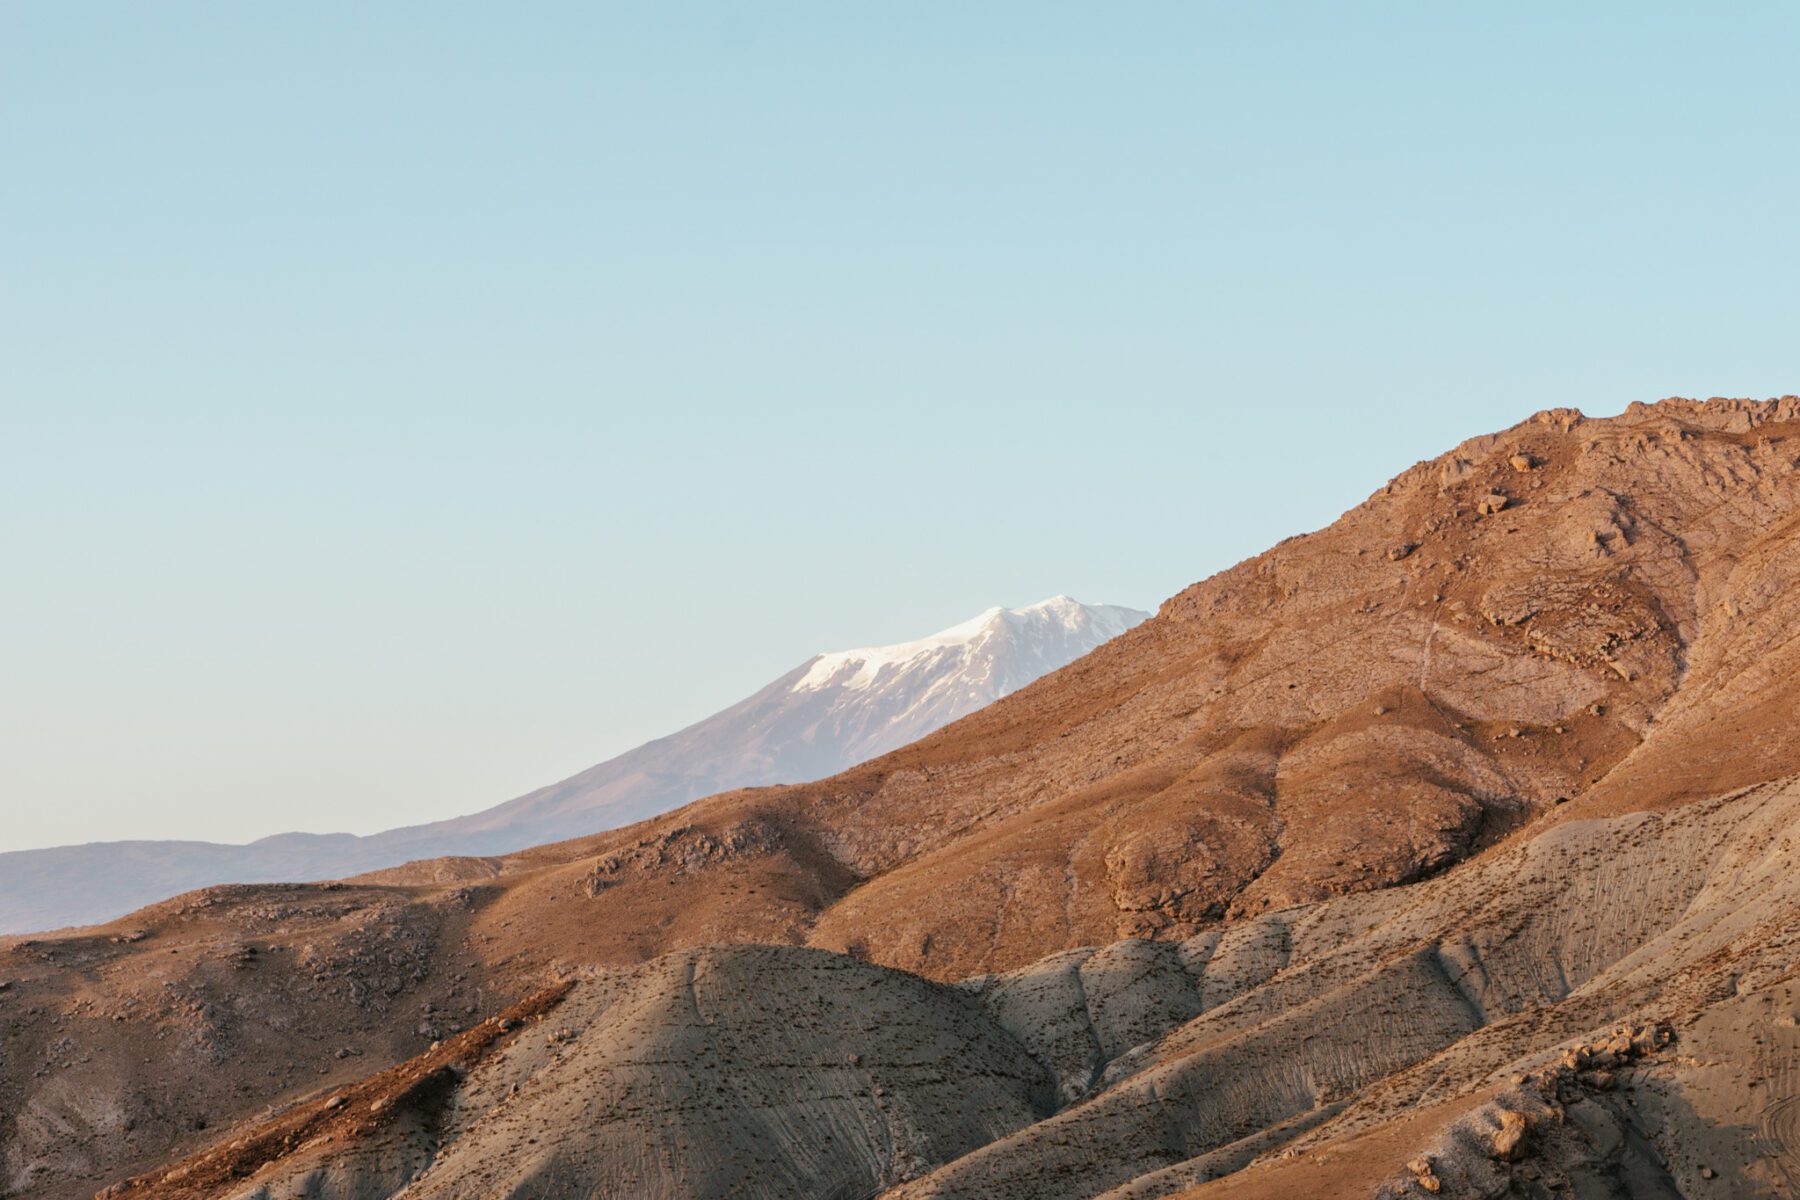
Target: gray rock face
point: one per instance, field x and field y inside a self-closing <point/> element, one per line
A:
<point x="1077" y="1012"/>
<point x="1384" y="1003"/>
<point x="746" y="1071"/>
<point x="830" y="713"/>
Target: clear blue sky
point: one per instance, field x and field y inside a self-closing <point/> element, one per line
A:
<point x="405" y="405"/>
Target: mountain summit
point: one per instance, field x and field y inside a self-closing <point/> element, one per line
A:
<point x="828" y="714"/>
<point x="831" y="712"/>
<point x="879" y="698"/>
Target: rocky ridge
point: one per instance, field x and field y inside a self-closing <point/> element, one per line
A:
<point x="1266" y="895"/>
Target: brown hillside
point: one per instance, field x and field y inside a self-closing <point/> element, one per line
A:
<point x="1596" y="612"/>
<point x="1570" y="607"/>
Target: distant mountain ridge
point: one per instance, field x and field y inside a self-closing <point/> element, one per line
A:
<point x="830" y="713"/>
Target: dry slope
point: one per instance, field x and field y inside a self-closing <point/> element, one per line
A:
<point x="1591" y="611"/>
<point x="1608" y="1000"/>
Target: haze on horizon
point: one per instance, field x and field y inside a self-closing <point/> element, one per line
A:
<point x="405" y="408"/>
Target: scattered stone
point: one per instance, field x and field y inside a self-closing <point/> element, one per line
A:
<point x="1509" y="1139"/>
<point x="1491" y="503"/>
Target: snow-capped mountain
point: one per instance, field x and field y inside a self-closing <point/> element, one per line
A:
<point x="831" y="712"/>
<point x="880" y="698"/>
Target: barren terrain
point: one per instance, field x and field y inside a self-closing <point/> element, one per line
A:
<point x="1447" y="849"/>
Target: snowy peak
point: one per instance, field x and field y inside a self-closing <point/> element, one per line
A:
<point x="1044" y="632"/>
<point x="823" y="716"/>
<point x="863" y="703"/>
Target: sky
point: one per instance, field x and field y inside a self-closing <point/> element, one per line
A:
<point x="403" y="406"/>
